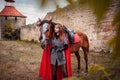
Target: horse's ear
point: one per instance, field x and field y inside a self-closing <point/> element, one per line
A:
<point x="50" y="20"/>
<point x="39" y="20"/>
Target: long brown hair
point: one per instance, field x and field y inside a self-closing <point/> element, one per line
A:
<point x="61" y="32"/>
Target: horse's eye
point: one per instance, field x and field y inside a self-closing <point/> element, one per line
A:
<point x="47" y="30"/>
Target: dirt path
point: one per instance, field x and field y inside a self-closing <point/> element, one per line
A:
<point x="20" y="61"/>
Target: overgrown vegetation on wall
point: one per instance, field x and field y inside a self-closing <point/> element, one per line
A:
<point x="8" y="31"/>
<point x="11" y="33"/>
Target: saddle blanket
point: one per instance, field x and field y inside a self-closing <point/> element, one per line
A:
<point x="76" y="38"/>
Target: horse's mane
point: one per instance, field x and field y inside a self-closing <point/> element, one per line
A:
<point x="52" y="25"/>
<point x="47" y="21"/>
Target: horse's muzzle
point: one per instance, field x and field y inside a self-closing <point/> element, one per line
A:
<point x="44" y="44"/>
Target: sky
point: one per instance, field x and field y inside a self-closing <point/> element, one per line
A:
<point x="33" y="10"/>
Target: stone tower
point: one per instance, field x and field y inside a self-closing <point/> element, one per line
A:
<point x="10" y="15"/>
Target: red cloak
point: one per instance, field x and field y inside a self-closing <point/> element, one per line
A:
<point x="45" y="71"/>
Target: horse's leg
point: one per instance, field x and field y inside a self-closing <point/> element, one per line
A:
<point x="85" y="49"/>
<point x="78" y="59"/>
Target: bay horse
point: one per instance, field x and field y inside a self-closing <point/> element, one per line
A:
<point x="46" y="27"/>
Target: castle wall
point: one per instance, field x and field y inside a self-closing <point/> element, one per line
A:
<point x="16" y="22"/>
<point x="30" y="33"/>
<point x="84" y="20"/>
<point x="81" y="19"/>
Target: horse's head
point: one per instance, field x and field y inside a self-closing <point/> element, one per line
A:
<point x="46" y="31"/>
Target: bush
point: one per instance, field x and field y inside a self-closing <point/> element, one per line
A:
<point x="8" y="31"/>
<point x="11" y="33"/>
<point x="99" y="72"/>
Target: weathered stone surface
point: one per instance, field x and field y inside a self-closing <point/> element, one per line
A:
<point x="30" y="33"/>
<point x="82" y="19"/>
<point x="16" y="23"/>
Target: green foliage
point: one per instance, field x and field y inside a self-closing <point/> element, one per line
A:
<point x="116" y="48"/>
<point x="43" y="2"/>
<point x="111" y="42"/>
<point x="70" y="1"/>
<point x="11" y="33"/>
<point x="8" y="31"/>
<point x="33" y="41"/>
<point x="96" y="69"/>
<point x="116" y="20"/>
<point x="16" y="34"/>
<point x="73" y="78"/>
<point x="116" y="41"/>
<point x="58" y="9"/>
<point x="99" y="7"/>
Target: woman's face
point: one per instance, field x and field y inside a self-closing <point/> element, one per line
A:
<point x="57" y="29"/>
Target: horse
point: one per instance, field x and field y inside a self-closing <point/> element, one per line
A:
<point x="46" y="31"/>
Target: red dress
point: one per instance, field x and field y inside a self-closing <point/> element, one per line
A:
<point x="45" y="71"/>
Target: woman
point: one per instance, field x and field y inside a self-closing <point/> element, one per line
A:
<point x="59" y="43"/>
<point x="56" y="62"/>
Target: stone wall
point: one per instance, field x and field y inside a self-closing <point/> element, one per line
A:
<point x="84" y="20"/>
<point x="30" y="33"/>
<point x="16" y="22"/>
<point x="81" y="19"/>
